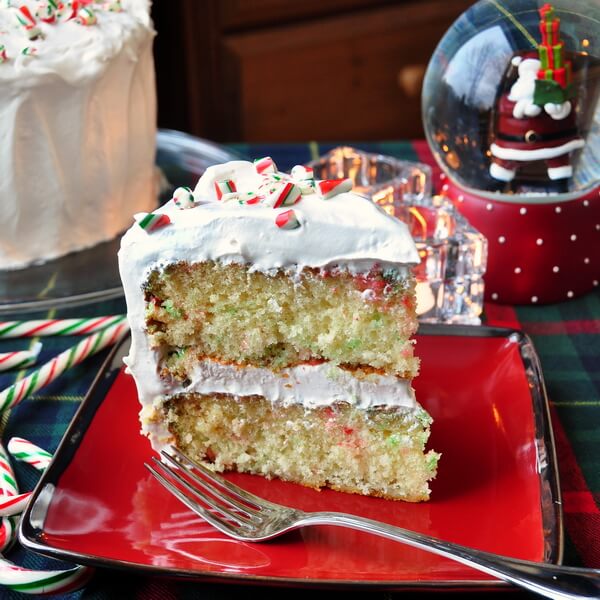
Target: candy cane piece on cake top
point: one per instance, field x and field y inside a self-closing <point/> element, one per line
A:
<point x="285" y="195"/>
<point x="47" y="327"/>
<point x="265" y="165"/>
<point x="151" y="221"/>
<point x="48" y="372"/>
<point x="226" y="186"/>
<point x="329" y="188"/>
<point x="19" y="359"/>
<point x="183" y="198"/>
<point x="287" y="220"/>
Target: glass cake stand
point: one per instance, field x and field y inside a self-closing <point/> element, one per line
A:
<point x="180" y="160"/>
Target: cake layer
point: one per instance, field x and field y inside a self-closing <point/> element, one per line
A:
<point x="232" y="314"/>
<point x="378" y="452"/>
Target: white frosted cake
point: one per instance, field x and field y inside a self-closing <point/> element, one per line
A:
<point x="272" y="319"/>
<point x="77" y="123"/>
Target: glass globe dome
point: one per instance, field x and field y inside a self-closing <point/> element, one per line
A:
<point x="511" y="99"/>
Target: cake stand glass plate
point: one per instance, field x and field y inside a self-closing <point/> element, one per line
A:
<point x="92" y="274"/>
<point x="497" y="487"/>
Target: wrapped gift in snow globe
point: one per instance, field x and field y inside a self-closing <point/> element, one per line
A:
<point x="511" y="108"/>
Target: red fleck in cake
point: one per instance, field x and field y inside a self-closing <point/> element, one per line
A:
<point x="272" y="319"/>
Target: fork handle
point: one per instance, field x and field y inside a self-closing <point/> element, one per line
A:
<point x="551" y="581"/>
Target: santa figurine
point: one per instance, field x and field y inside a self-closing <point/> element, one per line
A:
<point x="535" y="120"/>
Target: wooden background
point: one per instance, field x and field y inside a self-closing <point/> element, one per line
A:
<point x="286" y="70"/>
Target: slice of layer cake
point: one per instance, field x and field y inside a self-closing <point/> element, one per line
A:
<point x="271" y="320"/>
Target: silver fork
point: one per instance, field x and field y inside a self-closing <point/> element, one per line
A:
<point x="244" y="516"/>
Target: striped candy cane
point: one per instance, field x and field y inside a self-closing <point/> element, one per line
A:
<point x="19" y="579"/>
<point x="29" y="453"/>
<point x="48" y="372"/>
<point x="8" y="489"/>
<point x="28" y="581"/>
<point x="47" y="327"/>
<point x="20" y="358"/>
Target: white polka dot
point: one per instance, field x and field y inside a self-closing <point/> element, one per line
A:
<point x="461" y="198"/>
<point x="586" y="202"/>
<point x="570" y="294"/>
<point x="523" y="210"/>
<point x="489" y="207"/>
<point x="534" y="299"/>
<point x="558" y="209"/>
<point x="586" y="260"/>
<point x="555" y="269"/>
<point x="494" y="296"/>
<point x="595" y="283"/>
<point x="597" y="226"/>
<point x="517" y="270"/>
<point x="501" y="239"/>
<point x="539" y="241"/>
<point x="442" y="176"/>
<point x="445" y="187"/>
<point x="573" y="237"/>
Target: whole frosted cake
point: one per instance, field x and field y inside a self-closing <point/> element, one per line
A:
<point x="271" y="319"/>
<point x="77" y="123"/>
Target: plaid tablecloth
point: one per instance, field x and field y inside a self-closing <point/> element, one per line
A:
<point x="567" y="339"/>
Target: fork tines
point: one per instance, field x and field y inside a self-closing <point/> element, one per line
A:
<point x="223" y="504"/>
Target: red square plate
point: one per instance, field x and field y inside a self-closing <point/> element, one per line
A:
<point x="497" y="488"/>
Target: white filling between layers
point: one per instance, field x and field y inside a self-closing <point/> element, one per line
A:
<point x="312" y="386"/>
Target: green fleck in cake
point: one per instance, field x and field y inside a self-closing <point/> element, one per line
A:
<point x="272" y="319"/>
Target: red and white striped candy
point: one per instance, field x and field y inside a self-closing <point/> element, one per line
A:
<point x="13" y="505"/>
<point x="86" y="16"/>
<point x="184" y="198"/>
<point x="227" y="186"/>
<point x="3" y="55"/>
<point x="26" y="19"/>
<point x="328" y="188"/>
<point x="19" y="359"/>
<point x="67" y="10"/>
<point x="48" y="372"/>
<point x="47" y="327"/>
<point x="46" y="11"/>
<point x="265" y="165"/>
<point x="151" y="221"/>
<point x="8" y="489"/>
<point x="29" y="581"/>
<point x="285" y="195"/>
<point x="300" y="173"/>
<point x="287" y="220"/>
<point x="29" y="453"/>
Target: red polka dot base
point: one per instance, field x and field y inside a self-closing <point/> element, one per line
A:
<point x="537" y="253"/>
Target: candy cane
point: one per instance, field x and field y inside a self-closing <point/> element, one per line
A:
<point x="332" y="187"/>
<point x="8" y="489"/>
<point x="265" y="165"/>
<point x="47" y="327"/>
<point x="3" y="55"/>
<point x="14" y="505"/>
<point x="151" y="221"/>
<point x="19" y="579"/>
<point x="52" y="369"/>
<point x="287" y="220"/>
<point x="227" y="186"/>
<point x="19" y="358"/>
<point x="29" y="453"/>
<point x="285" y="195"/>
<point x="28" y="581"/>
<point x="184" y="198"/>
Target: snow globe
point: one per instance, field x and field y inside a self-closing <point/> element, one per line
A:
<point x="511" y="109"/>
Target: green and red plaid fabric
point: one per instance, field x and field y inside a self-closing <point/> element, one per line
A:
<point x="567" y="339"/>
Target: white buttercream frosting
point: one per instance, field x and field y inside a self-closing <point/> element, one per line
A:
<point x="347" y="232"/>
<point x="78" y="125"/>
